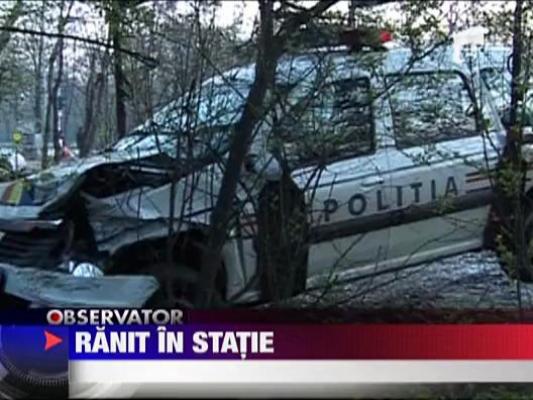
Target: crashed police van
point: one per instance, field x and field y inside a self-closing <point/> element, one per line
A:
<point x="386" y="147"/>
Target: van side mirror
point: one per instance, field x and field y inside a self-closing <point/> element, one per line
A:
<point x="249" y="162"/>
<point x="265" y="164"/>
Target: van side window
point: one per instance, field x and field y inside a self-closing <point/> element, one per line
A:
<point x="326" y="123"/>
<point x="430" y="107"/>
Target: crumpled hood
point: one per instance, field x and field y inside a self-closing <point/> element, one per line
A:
<point x="27" y="197"/>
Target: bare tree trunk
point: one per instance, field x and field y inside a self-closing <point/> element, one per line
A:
<point x="515" y="135"/>
<point x="55" y="104"/>
<point x="351" y="13"/>
<point x="264" y="75"/>
<point x="93" y="96"/>
<point x="87" y="127"/>
<point x="514" y="147"/>
<point x="120" y="99"/>
<point x="94" y="91"/>
<point x="49" y="85"/>
<point x="38" y="88"/>
<point x="509" y="204"/>
<point x="53" y="88"/>
<point x="13" y="16"/>
<point x="270" y="49"/>
<point x="5" y="35"/>
<point x="115" y="29"/>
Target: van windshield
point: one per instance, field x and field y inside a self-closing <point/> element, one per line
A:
<point x="202" y="118"/>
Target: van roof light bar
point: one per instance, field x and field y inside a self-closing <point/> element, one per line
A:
<point x="470" y="37"/>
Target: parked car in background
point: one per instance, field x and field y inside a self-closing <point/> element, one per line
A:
<point x="12" y="163"/>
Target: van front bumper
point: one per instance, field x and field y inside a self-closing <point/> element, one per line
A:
<point x="56" y="289"/>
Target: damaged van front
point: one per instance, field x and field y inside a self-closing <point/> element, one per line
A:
<point x="64" y="225"/>
<point x="49" y="241"/>
<point x="109" y="217"/>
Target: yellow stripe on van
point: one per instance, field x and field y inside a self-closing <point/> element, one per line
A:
<point x="13" y="193"/>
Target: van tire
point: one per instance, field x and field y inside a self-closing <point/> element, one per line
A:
<point x="278" y="284"/>
<point x="503" y="246"/>
<point x="178" y="278"/>
<point x="282" y="241"/>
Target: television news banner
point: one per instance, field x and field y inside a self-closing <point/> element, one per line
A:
<point x="161" y="334"/>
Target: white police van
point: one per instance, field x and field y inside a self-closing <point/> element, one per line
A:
<point x="394" y="152"/>
<point x="390" y="150"/>
<point x="398" y="171"/>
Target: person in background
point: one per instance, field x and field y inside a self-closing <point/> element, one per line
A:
<point x="66" y="153"/>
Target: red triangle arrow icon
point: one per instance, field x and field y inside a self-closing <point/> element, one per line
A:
<point x="51" y="340"/>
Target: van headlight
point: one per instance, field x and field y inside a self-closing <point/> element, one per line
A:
<point x="86" y="270"/>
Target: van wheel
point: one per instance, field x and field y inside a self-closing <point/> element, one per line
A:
<point x="283" y="281"/>
<point x="177" y="284"/>
<point x="282" y="240"/>
<point x="527" y="275"/>
<point x="506" y="249"/>
<point x="179" y="279"/>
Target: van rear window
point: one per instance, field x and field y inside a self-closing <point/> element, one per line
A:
<point x="430" y="107"/>
<point x="330" y="122"/>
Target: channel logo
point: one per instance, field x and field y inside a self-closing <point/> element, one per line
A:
<point x="54" y="317"/>
<point x="114" y="317"/>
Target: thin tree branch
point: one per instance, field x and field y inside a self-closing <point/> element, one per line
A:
<point x="147" y="60"/>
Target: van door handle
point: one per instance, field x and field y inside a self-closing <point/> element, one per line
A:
<point x="372" y="181"/>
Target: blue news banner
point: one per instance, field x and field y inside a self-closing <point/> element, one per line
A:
<point x="30" y="354"/>
<point x="169" y="342"/>
<point x="51" y="347"/>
